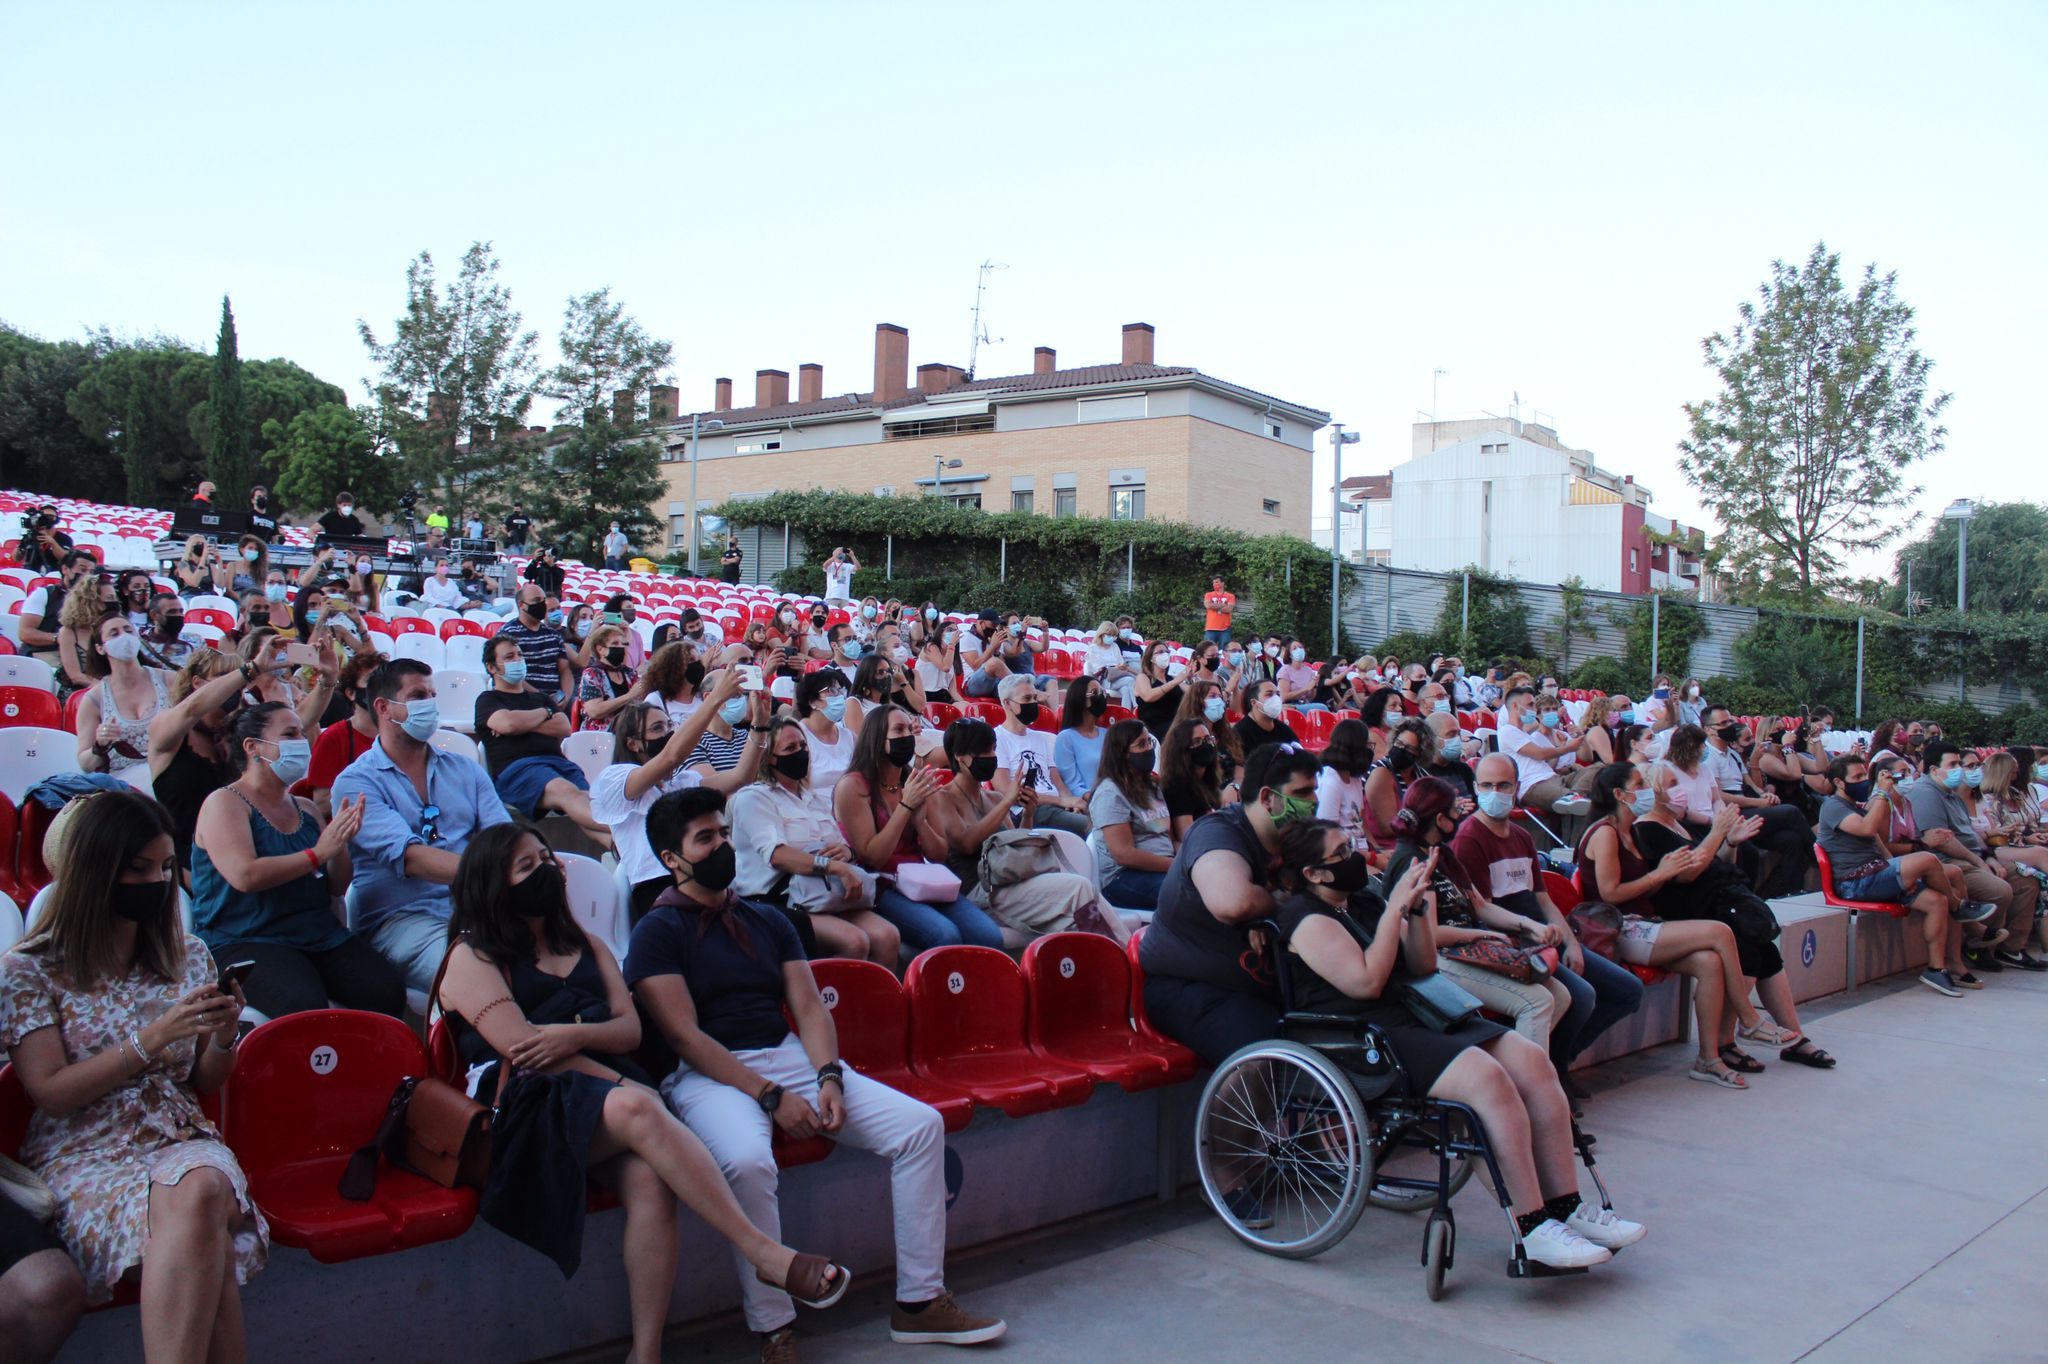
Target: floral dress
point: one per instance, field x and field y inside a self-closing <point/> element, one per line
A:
<point x="101" y="1160"/>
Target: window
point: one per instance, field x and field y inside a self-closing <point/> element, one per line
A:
<point x="1272" y="507"/>
<point x="1127" y="504"/>
<point x="1634" y="558"/>
<point x="1120" y="408"/>
<point x="965" y="500"/>
<point x="1063" y="502"/>
<point x="940" y="426"/>
<point x="671" y="453"/>
<point x="1275" y="430"/>
<point x="758" y="447"/>
<point x="678" y="528"/>
<point x="1498" y="448"/>
<point x="1020" y="501"/>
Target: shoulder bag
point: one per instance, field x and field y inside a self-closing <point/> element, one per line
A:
<point x="1439" y="1003"/>
<point x="1597" y="926"/>
<point x="1519" y="964"/>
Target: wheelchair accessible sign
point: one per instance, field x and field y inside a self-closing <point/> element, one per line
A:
<point x="1808" y="947"/>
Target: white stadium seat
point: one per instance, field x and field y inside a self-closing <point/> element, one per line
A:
<point x="589" y="749"/>
<point x="428" y="649"/>
<point x="457" y="690"/>
<point x="594" y="900"/>
<point x="29" y="754"/>
<point x="452" y="741"/>
<point x="18" y="670"/>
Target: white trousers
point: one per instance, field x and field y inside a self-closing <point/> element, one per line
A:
<point x="909" y="1134"/>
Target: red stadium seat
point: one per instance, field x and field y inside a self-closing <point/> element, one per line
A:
<point x="460" y="625"/>
<point x="309" y="1089"/>
<point x="10" y="852"/>
<point x="1080" y="986"/>
<point x="413" y="625"/>
<point x="71" y="705"/>
<point x="984" y="709"/>
<point x="1113" y="713"/>
<point x="941" y="713"/>
<point x="1138" y="1018"/>
<point x="225" y="620"/>
<point x="31" y="706"/>
<point x="1060" y="663"/>
<point x="872" y="1016"/>
<point x="967" y="1009"/>
<point x="32" y="872"/>
<point x="1048" y="721"/>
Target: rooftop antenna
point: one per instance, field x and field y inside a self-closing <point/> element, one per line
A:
<point x="981" y="337"/>
<point x="1436" y="377"/>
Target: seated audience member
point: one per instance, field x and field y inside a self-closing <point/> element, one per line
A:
<point x="674" y="676"/>
<point x="938" y="666"/>
<point x="528" y="994"/>
<point x="2007" y="804"/>
<point x="441" y="592"/>
<point x="82" y="609"/>
<point x="1783" y="832"/>
<point x="845" y="650"/>
<point x="1159" y="688"/>
<point x="41" y="1294"/>
<point x="1131" y="828"/>
<point x="1352" y="951"/>
<point x="1449" y="749"/>
<point x="983" y="666"/>
<point x="1709" y="885"/>
<point x="522" y="732"/>
<point x="199" y="571"/>
<point x="347" y="739"/>
<point x="116" y="1023"/>
<point x="649" y="757"/>
<point x="1538" y="739"/>
<point x="1605" y="718"/>
<point x="715" y="974"/>
<point x="546" y="653"/>
<point x="1946" y="830"/>
<point x="421" y="807"/>
<point x="1104" y="662"/>
<point x="881" y="807"/>
<point x="1262" y="724"/>
<point x="188" y="744"/>
<point x="1208" y="702"/>
<point x="975" y="806"/>
<point x="620" y="609"/>
<point x="793" y="858"/>
<point x="1793" y="764"/>
<point x="820" y="706"/>
<point x="577" y="623"/>
<point x="1854" y="822"/>
<point x="1340" y="786"/>
<point x="267" y="878"/>
<point x="1022" y="751"/>
<point x="725" y="737"/>
<point x="307" y="690"/>
<point x="1208" y="984"/>
<point x="1463" y="913"/>
<point x="1298" y="677"/>
<point x="1387" y="781"/>
<point x="164" y="645"/>
<point x="1188" y="766"/>
<point x="1077" y="750"/>
<point x="609" y="684"/>
<point x="881" y="680"/>
<point x="115" y="712"/>
<point x="1499" y="858"/>
<point x="1372" y="713"/>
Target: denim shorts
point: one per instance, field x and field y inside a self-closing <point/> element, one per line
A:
<point x="1882" y="886"/>
<point x="522" y="784"/>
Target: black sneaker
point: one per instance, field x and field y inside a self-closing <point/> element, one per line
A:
<point x="1968" y="980"/>
<point x="1940" y="982"/>
<point x="2020" y="961"/>
<point x="1982" y="961"/>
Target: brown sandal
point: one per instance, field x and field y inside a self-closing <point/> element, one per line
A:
<point x="812" y="1280"/>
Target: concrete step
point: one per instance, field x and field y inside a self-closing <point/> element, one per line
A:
<point x="1814" y="940"/>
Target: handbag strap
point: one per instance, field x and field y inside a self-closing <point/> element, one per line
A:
<point x="359" y="1180"/>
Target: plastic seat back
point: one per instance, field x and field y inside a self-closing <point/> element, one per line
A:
<point x="589" y="749"/>
<point x="1079" y="984"/>
<point x="870" y="1011"/>
<point x="28" y="674"/>
<point x="459" y="744"/>
<point x="1562" y="893"/>
<point x="422" y="644"/>
<point x="464" y="650"/>
<point x="941" y="713"/>
<point x="10" y="849"/>
<point x="32" y="707"/>
<point x="594" y="900"/>
<point x="30" y="753"/>
<point x="456" y="690"/>
<point x="964" y="1001"/>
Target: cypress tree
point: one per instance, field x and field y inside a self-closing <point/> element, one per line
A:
<point x="230" y="464"/>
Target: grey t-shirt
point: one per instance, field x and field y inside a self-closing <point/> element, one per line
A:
<point x="1107" y="804"/>
<point x="1935" y="807"/>
<point x="1848" y="853"/>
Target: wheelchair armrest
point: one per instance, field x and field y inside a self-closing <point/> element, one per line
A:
<point x="1313" y="1020"/>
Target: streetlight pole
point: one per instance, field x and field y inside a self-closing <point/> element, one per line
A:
<point x="939" y="466"/>
<point x="1909" y="587"/>
<point x="713" y="425"/>
<point x="1960" y="511"/>
<point x="1339" y="438"/>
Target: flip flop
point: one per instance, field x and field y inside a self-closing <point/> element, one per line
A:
<point x="812" y="1280"/>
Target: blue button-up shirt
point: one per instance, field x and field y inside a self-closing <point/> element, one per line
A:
<point x="392" y="821"/>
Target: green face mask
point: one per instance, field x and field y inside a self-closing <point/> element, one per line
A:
<point x="1295" y="807"/>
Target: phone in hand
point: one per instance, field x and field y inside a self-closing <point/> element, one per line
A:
<point x="301" y="655"/>
<point x="234" y="973"/>
<point x="750" y="677"/>
<point x="1661" y="694"/>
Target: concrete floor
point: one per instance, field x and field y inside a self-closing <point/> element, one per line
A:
<point x="1889" y="1210"/>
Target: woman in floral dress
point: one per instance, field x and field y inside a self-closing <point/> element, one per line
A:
<point x="115" y="1022"/>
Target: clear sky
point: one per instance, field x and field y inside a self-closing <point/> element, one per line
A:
<point x="1323" y="202"/>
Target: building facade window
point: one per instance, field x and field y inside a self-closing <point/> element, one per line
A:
<point x="940" y="426"/>
<point x="762" y="446"/>
<point x="1021" y="501"/>
<point x="1063" y="503"/>
<point x="1272" y="507"/>
<point x="1634" y="560"/>
<point x="965" y="500"/>
<point x="1275" y="430"/>
<point x="1127" y="504"/>
<point x="1498" y="448"/>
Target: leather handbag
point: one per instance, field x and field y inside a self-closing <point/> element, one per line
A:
<point x="931" y="883"/>
<point x="432" y="1129"/>
<point x="1519" y="964"/>
<point x="1597" y="926"/>
<point x="1439" y="1003"/>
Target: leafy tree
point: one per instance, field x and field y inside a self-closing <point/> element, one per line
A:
<point x="1823" y="408"/>
<point x="42" y="446"/>
<point x="323" y="450"/>
<point x="2008" y="561"/>
<point x="1574" y="618"/>
<point x="230" y="462"/>
<point x="158" y="383"/>
<point x="457" y="361"/>
<point x="1493" y="623"/>
<point x="607" y="470"/>
<point x="1679" y="624"/>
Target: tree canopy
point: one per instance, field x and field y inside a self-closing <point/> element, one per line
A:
<point x="2008" y="561"/>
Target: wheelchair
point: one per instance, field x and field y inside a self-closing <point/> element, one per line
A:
<point x="1288" y="1121"/>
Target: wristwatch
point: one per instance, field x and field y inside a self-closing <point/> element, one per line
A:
<point x="771" y="1099"/>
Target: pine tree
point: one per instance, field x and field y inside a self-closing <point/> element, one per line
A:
<point x="231" y="463"/>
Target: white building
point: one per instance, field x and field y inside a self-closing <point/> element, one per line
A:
<point x="1508" y="496"/>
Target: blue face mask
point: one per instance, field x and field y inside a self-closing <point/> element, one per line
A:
<point x="1626" y="717"/>
<point x="2041" y="771"/>
<point x="867" y="613"/>
<point x="1952" y="778"/>
<point x="733" y="711"/>
<point x="513" y="671"/>
<point x="422" y="718"/>
<point x="1495" y="804"/>
<point x="1450" y="749"/>
<point x="1442" y="706"/>
<point x="251" y="555"/>
<point x="1642" y="802"/>
<point x="274" y="591"/>
<point x="835" y="708"/>
<point x="1549" y="719"/>
<point x="1973" y="777"/>
<point x="851" y="648"/>
<point x="1235" y="660"/>
<point x="1212" y="709"/>
<point x="293" y="757"/>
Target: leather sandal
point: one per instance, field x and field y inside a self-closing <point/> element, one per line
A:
<point x="812" y="1280"/>
<point x="1735" y="1058"/>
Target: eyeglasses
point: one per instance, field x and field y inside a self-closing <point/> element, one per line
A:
<point x="429" y="830"/>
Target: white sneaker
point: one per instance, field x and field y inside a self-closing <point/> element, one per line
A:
<point x="1558" y="1246"/>
<point x="1600" y="1226"/>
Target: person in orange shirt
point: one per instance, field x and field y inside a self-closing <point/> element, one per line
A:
<point x="1219" y="604"/>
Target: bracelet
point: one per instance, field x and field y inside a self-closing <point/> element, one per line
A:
<point x="135" y="1041"/>
<point x="312" y="858"/>
<point x="832" y="1070"/>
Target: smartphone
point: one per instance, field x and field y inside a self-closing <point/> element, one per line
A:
<point x="302" y="655"/>
<point x="1661" y="694"/>
<point x="234" y="973"/>
<point x="750" y="677"/>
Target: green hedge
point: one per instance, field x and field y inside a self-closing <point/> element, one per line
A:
<point x="1070" y="570"/>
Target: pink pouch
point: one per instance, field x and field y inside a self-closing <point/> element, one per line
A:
<point x="929" y="883"/>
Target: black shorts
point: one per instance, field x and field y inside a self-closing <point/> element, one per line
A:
<point x="1207" y="1019"/>
<point x="21" y="1235"/>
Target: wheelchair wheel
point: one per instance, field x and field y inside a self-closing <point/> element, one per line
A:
<point x="1281" y="1142"/>
<point x="1438" y="1239"/>
<point x="1414" y="1162"/>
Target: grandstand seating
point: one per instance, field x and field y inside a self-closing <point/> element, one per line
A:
<point x="1855" y="908"/>
<point x="967" y="1009"/>
<point x="1080" y="991"/>
<point x="872" y="1015"/>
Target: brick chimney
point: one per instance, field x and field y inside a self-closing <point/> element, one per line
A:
<point x="931" y="378"/>
<point x="892" y="361"/>
<point x="721" y="395"/>
<point x="1137" y="343"/>
<point x="479" y="435"/>
<point x="771" y="387"/>
<point x="663" y="402"/>
<point x="623" y="407"/>
<point x="440" y="408"/>
<point x="810" y="383"/>
<point x="1044" y="360"/>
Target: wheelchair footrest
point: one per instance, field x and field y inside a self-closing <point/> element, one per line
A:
<point x="1530" y="1269"/>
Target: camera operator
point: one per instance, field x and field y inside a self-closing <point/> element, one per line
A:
<point x="342" y="523"/>
<point x="41" y="612"/>
<point x="544" y="572"/>
<point x="43" y="546"/>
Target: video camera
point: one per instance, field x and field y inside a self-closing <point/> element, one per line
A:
<point x="31" y="522"/>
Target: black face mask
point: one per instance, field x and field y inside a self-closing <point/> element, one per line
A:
<point x="796" y="766"/>
<point x="140" y="901"/>
<point x="1097" y="704"/>
<point x="534" y="610"/>
<point x="1028" y="712"/>
<point x="982" y="768"/>
<point x="616" y="656"/>
<point x="1400" y="758"/>
<point x="693" y="673"/>
<point x="817" y="622"/>
<point x="717" y="869"/>
<point x="1142" y="762"/>
<point x="901" y="751"/>
<point x="1730" y="733"/>
<point x="172" y="625"/>
<point x="1349" y="874"/>
<point x="543" y="892"/>
<point x="1858" y="791"/>
<point x="1209" y="664"/>
<point x="1203" y="756"/>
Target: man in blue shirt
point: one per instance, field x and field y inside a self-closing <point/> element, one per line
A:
<point x="421" y="807"/>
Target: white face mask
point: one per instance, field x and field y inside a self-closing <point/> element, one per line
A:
<point x="125" y="648"/>
<point x="1272" y="707"/>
